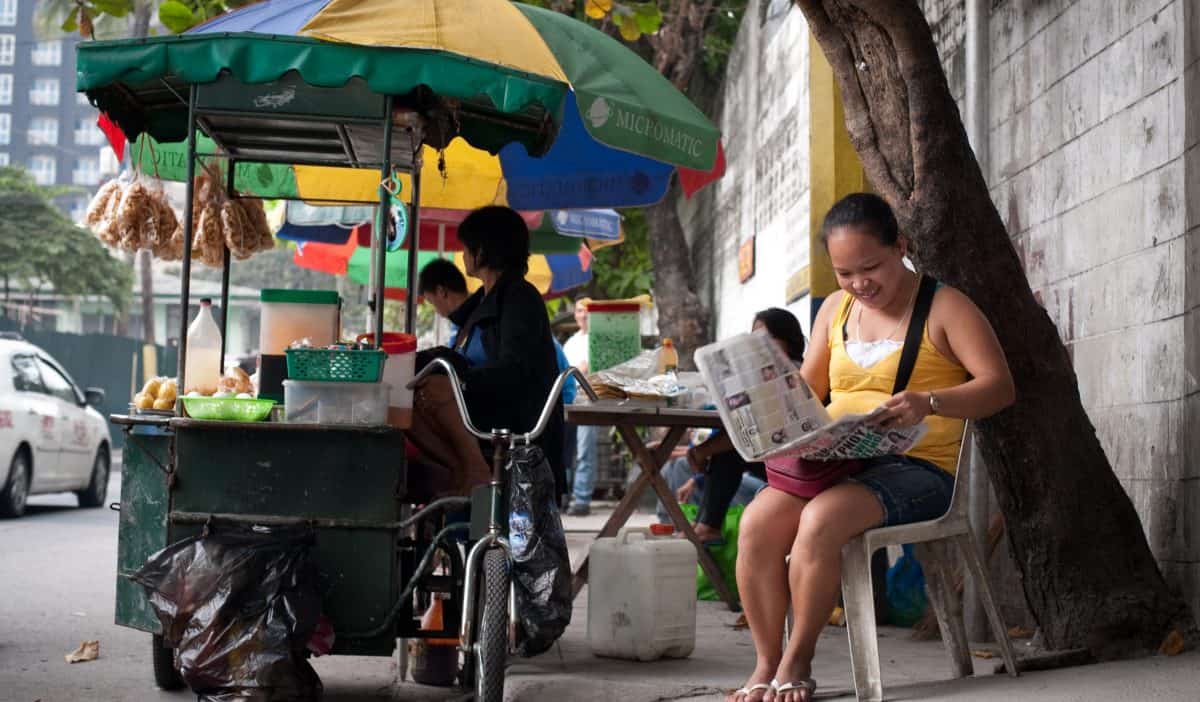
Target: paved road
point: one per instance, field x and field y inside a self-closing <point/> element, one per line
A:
<point x="58" y="587"/>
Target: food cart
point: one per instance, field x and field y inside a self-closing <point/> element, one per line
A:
<point x="311" y="111"/>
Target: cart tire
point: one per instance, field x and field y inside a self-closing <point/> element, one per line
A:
<point x="491" y="647"/>
<point x="166" y="675"/>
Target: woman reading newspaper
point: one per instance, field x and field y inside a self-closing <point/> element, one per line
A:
<point x="854" y="357"/>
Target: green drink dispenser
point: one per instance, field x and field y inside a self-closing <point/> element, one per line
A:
<point x="614" y="334"/>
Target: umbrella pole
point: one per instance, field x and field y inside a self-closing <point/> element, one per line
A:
<point x="186" y="272"/>
<point x="379" y="241"/>
<point x="414" y="229"/>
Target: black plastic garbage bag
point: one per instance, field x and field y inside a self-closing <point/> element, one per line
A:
<point x="541" y="571"/>
<point x="239" y="604"/>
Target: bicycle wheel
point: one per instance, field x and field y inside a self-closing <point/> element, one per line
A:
<point x="491" y="645"/>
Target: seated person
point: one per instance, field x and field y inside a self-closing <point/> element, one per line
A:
<point x="503" y="353"/>
<point x="960" y="373"/>
<point x="715" y="461"/>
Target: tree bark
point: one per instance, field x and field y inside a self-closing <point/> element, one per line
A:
<point x="1089" y="577"/>
<point x="682" y="317"/>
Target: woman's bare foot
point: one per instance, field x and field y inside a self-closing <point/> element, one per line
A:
<point x="796" y="674"/>
<point x="706" y="533"/>
<point x="756" y="688"/>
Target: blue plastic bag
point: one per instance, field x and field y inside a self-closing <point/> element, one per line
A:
<point x="906" y="590"/>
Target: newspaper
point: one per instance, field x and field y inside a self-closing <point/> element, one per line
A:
<point x="769" y="410"/>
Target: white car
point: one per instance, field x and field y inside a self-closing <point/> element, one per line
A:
<point x="51" y="438"/>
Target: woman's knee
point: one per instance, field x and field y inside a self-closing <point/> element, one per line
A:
<point x="769" y="523"/>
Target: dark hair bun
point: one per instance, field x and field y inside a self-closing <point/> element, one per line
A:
<point x="865" y="211"/>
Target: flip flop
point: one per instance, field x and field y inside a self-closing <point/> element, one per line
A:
<point x="744" y="692"/>
<point x="809" y="686"/>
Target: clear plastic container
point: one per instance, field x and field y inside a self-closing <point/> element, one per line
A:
<point x="398" y="372"/>
<point x="312" y="402"/>
<point x="291" y="315"/>
<point x="614" y="335"/>
<point x="641" y="596"/>
<point x="202" y="368"/>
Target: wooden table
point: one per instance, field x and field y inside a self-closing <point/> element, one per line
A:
<point x="626" y="418"/>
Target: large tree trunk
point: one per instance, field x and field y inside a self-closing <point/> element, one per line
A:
<point x="1089" y="577"/>
<point x="682" y="317"/>
<point x="678" y="48"/>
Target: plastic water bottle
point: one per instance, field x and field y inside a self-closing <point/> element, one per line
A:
<point x="202" y="369"/>
<point x="520" y="527"/>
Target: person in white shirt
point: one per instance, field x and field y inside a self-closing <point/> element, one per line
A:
<point x="584" y="481"/>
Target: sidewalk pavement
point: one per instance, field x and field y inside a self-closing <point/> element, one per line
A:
<point x="724" y="656"/>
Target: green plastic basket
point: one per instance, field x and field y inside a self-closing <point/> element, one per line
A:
<point x="228" y="409"/>
<point x="338" y="366"/>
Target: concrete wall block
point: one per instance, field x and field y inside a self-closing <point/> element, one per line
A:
<point x="1001" y="105"/>
<point x="1102" y="147"/>
<point x="1064" y="34"/>
<point x="1047" y="118"/>
<point x="1043" y="252"/>
<point x="1146" y="135"/>
<point x="1103" y="229"/>
<point x="1192" y="293"/>
<point x="1142" y="288"/>
<point x="1135" y="366"/>
<point x="1187" y="534"/>
<point x="1022" y="79"/>
<point x="1002" y="30"/>
<point x="1191" y="360"/>
<point x="1161" y="505"/>
<point x="1101" y="26"/>
<point x="1081" y="98"/>
<point x="1163" y="202"/>
<point x="1190" y="97"/>
<point x="1163" y="45"/>
<point x="1191" y="178"/>
<point x="1066" y="179"/>
<point x="1136" y="12"/>
<point x="1190" y="467"/>
<point x="1036" y="50"/>
<point x="1017" y="215"/>
<point x="1139" y="440"/>
<point x="1121" y="64"/>
<point x="1191" y="32"/>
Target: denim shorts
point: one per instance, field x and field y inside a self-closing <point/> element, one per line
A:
<point x="909" y="489"/>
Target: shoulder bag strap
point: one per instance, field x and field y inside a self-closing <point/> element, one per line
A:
<point x="916" y="329"/>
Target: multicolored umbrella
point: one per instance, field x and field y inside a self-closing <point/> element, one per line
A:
<point x="551" y="274"/>
<point x="527" y="107"/>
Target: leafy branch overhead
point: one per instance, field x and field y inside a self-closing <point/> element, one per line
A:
<point x="40" y="247"/>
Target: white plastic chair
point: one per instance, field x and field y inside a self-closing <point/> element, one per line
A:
<point x="934" y="542"/>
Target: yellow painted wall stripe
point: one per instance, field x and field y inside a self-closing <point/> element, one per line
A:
<point x="488" y="30"/>
<point x="834" y="168"/>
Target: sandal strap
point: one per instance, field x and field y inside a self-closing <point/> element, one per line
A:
<point x="745" y="691"/>
<point x="809" y="685"/>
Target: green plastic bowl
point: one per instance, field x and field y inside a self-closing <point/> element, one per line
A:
<point x="228" y="409"/>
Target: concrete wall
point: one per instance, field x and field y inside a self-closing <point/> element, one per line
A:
<point x="764" y="194"/>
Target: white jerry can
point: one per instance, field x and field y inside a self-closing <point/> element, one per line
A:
<point x="642" y="596"/>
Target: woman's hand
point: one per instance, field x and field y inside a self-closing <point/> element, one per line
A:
<point x="684" y="493"/>
<point x="904" y="409"/>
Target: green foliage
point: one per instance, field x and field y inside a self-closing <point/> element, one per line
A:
<point x="624" y="271"/>
<point x="40" y="247"/>
<point x="720" y="36"/>
<point x="181" y="15"/>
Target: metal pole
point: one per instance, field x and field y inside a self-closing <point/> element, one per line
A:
<point x="186" y="273"/>
<point x="414" y="244"/>
<point x="379" y="241"/>
<point x="978" y="89"/>
<point x="229" y="172"/>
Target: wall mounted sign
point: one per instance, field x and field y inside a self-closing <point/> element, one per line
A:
<point x="746" y="260"/>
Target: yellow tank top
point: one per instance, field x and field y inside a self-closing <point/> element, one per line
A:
<point x="857" y="390"/>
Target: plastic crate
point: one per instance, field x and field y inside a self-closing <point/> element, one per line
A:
<point x="335" y="366"/>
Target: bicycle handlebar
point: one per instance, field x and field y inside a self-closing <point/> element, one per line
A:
<point x="543" y="419"/>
